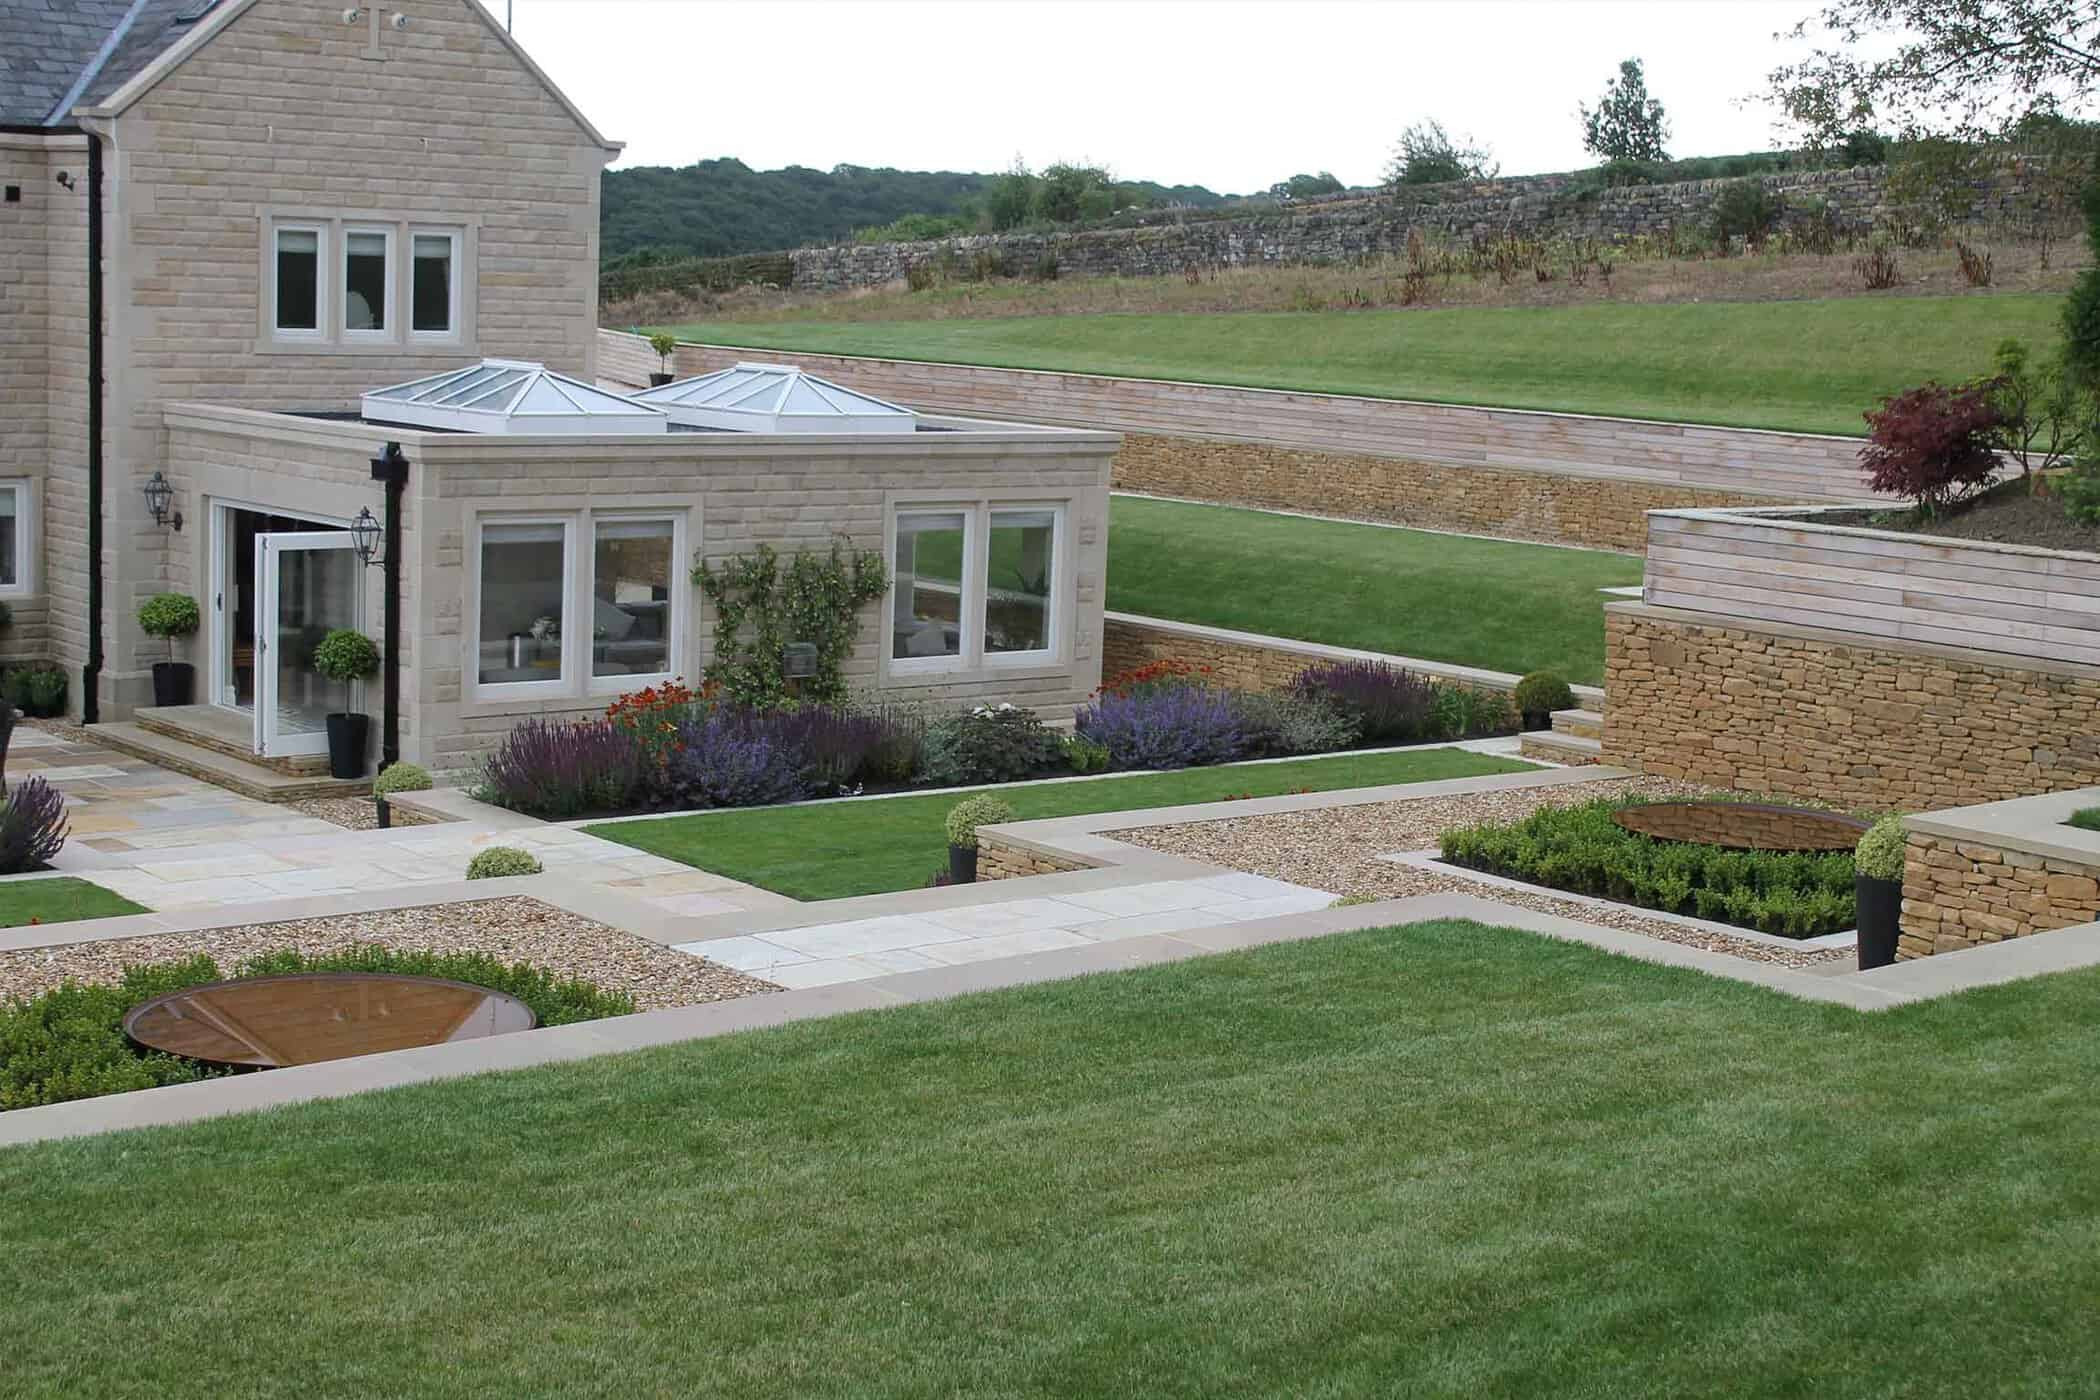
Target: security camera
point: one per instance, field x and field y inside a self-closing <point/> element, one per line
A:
<point x="352" y="14"/>
<point x="399" y="20"/>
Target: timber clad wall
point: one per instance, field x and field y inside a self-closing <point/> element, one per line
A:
<point x="1793" y="466"/>
<point x="1878" y="584"/>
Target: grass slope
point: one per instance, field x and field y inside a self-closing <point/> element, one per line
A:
<point x="1443" y="1160"/>
<point x="839" y="849"/>
<point x="58" y="901"/>
<point x="1807" y="366"/>
<point x="1492" y="603"/>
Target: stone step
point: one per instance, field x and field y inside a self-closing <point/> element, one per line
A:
<point x="241" y="775"/>
<point x="219" y="732"/>
<point x="1579" y="724"/>
<point x="1551" y="747"/>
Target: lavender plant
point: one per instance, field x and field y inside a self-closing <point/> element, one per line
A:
<point x="1179" y="727"/>
<point x="562" y="770"/>
<point x="1389" y="705"/>
<point x="33" y="826"/>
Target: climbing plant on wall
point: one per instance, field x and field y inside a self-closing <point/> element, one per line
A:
<point x="760" y="608"/>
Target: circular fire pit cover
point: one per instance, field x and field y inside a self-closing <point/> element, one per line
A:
<point x="1743" y="826"/>
<point x="304" y="1017"/>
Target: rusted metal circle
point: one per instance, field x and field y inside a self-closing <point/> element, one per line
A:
<point x="1744" y="826"/>
<point x="305" y="1017"/>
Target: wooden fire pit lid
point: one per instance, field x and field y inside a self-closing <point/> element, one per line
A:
<point x="1744" y="826"/>
<point x="305" y="1017"/>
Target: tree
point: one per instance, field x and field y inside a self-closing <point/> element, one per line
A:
<point x="1010" y="201"/>
<point x="1934" y="444"/>
<point x="1627" y="124"/>
<point x="1305" y="186"/>
<point x="2042" y="417"/>
<point x="1965" y="67"/>
<point x="1427" y="155"/>
<point x="1068" y="193"/>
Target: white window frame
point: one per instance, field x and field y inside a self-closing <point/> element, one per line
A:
<point x="675" y="623"/>
<point x="1053" y="608"/>
<point x="389" y="299"/>
<point x="323" y="302"/>
<point x="563" y="681"/>
<point x="970" y="608"/>
<point x="25" y="584"/>
<point x="455" y="279"/>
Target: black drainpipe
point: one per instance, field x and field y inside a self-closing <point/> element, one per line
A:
<point x="91" y="674"/>
<point x="392" y="470"/>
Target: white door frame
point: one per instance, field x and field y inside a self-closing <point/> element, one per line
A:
<point x="220" y="639"/>
<point x="269" y="552"/>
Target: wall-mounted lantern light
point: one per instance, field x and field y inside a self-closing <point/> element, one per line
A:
<point x="367" y="538"/>
<point x="159" y="496"/>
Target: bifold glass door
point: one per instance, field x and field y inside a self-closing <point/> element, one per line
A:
<point x="309" y="584"/>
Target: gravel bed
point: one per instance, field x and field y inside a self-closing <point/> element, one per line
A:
<point x="516" y="929"/>
<point x="356" y="813"/>
<point x="1336" y="848"/>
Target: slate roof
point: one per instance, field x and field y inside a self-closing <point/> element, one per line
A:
<point x="50" y="48"/>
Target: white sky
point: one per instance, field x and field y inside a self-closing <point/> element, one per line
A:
<point x="1233" y="94"/>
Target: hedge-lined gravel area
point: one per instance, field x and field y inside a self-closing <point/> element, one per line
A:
<point x="1337" y="848"/>
<point x="514" y="929"/>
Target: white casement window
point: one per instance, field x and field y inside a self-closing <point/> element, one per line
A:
<point x="17" y="536"/>
<point x="930" y="607"/>
<point x="298" y="263"/>
<point x="433" y="285"/>
<point x="634" y="611"/>
<point x="523" y="570"/>
<point x="1020" y="589"/>
<point x="368" y="283"/>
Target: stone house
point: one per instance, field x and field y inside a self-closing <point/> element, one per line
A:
<point x="228" y="222"/>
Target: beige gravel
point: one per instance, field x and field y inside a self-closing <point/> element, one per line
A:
<point x="356" y="813"/>
<point x="515" y="929"/>
<point x="1336" y="848"/>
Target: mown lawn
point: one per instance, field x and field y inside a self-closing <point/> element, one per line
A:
<point x="837" y="849"/>
<point x="1492" y="603"/>
<point x="1435" y="1161"/>
<point x="1807" y="366"/>
<point x="59" y="900"/>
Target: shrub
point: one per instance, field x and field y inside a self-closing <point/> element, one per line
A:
<point x="1467" y="712"/>
<point x="1745" y="210"/>
<point x="1879" y="855"/>
<point x="7" y="615"/>
<point x="1975" y="264"/>
<point x="972" y="812"/>
<point x="38" y="689"/>
<point x="558" y="771"/>
<point x="346" y="655"/>
<point x="1155" y="675"/>
<point x="69" y="1043"/>
<point x="833" y="749"/>
<point x="2081" y="495"/>
<point x="169" y="615"/>
<point x="401" y="777"/>
<point x="990" y="745"/>
<point x="1933" y="444"/>
<point x="1184" y="726"/>
<point x="1280" y="723"/>
<point x="32" y="826"/>
<point x="725" y="760"/>
<point x="665" y="345"/>
<point x="900" y="740"/>
<point x="1541" y="693"/>
<point x="1878" y="269"/>
<point x="1581" y="849"/>
<point x="1084" y="755"/>
<point x="1388" y="704"/>
<point x="501" y="862"/>
<point x="2085" y="819"/>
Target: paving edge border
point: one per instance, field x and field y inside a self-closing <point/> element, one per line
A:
<point x="1882" y="989"/>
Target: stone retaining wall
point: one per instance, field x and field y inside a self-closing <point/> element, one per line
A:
<point x="1771" y="707"/>
<point x="998" y="861"/>
<point x="1599" y="512"/>
<point x="1964" y="894"/>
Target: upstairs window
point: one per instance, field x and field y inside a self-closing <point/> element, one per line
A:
<point x="367" y="281"/>
<point x="298" y="277"/>
<point x="434" y="285"/>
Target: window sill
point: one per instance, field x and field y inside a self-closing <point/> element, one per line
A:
<point x="271" y="345"/>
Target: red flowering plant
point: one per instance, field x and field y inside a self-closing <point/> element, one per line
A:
<point x="654" y="713"/>
<point x="1155" y="676"/>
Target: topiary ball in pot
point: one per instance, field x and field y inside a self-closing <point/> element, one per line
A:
<point x="171" y="615"/>
<point x="963" y="820"/>
<point x="346" y="655"/>
<point x="500" y="862"/>
<point x="1877" y="864"/>
<point x="1539" y="694"/>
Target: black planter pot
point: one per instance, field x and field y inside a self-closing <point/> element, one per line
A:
<point x="174" y="682"/>
<point x="962" y="865"/>
<point x="1537" y="719"/>
<point x="1880" y="910"/>
<point x="348" y="736"/>
<point x="657" y="381"/>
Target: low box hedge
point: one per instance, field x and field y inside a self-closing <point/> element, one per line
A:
<point x="1582" y="850"/>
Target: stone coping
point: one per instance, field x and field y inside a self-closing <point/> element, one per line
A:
<point x="1787" y="517"/>
<point x="2034" y="825"/>
<point x="1434" y="861"/>
<point x="1854" y="641"/>
<point x="1589" y="696"/>
<point x="1881" y="989"/>
<point x="1392" y="524"/>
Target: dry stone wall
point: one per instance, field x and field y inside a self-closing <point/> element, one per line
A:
<point x="997" y="860"/>
<point x="1964" y="894"/>
<point x="1769" y="707"/>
